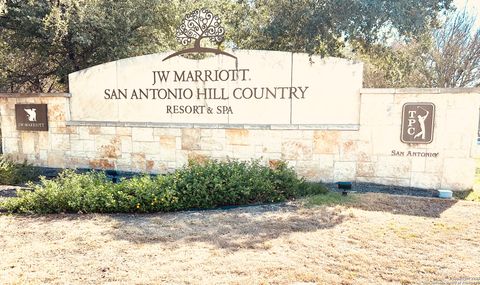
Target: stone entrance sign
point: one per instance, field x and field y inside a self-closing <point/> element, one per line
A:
<point x="417" y="123"/>
<point x="253" y="87"/>
<point x="31" y="117"/>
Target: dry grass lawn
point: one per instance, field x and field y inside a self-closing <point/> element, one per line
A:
<point x="378" y="239"/>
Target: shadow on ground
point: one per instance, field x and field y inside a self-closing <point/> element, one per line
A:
<point x="402" y="205"/>
<point x="250" y="227"/>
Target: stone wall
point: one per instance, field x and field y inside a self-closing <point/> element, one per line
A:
<point x="327" y="153"/>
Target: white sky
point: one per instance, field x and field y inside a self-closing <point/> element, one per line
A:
<point x="473" y="7"/>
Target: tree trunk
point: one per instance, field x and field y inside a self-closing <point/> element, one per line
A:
<point x="197" y="43"/>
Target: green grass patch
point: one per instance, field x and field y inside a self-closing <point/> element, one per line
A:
<point x="328" y="199"/>
<point x="204" y="185"/>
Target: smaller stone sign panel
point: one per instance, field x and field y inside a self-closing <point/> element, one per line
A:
<point x="31" y="117"/>
<point x="418" y="121"/>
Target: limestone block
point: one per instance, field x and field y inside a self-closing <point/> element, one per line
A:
<point x="89" y="145"/>
<point x="178" y="143"/>
<point x="149" y="164"/>
<point x="28" y="142"/>
<point x="78" y="162"/>
<point x="146" y="147"/>
<point x="123" y="131"/>
<point x="297" y="150"/>
<point x="168" y="142"/>
<point x="56" y="112"/>
<point x="291" y="134"/>
<point x="59" y="142"/>
<point x="181" y="158"/>
<point x="85" y="133"/>
<point x="126" y="144"/>
<point x="64" y="130"/>
<point x="344" y="171"/>
<point x="197" y="156"/>
<point x="326" y="142"/>
<point x="76" y="146"/>
<point x="211" y="144"/>
<point x="94" y="130"/>
<point x="310" y="170"/>
<point x="386" y="139"/>
<point x="11" y="145"/>
<point x="43" y="155"/>
<point x="380" y="114"/>
<point x="217" y="133"/>
<point x="101" y="164"/>
<point x="426" y="180"/>
<point x="458" y="173"/>
<point x="101" y="140"/>
<point x="457" y="145"/>
<point x="56" y="159"/>
<point x="243" y="152"/>
<point x="138" y="162"/>
<point x="418" y="164"/>
<point x="271" y="145"/>
<point x="237" y="136"/>
<point x="349" y="151"/>
<point x="191" y="139"/>
<point x="168" y="154"/>
<point x="142" y="134"/>
<point x="366" y="169"/>
<point x="111" y="149"/>
<point x="434" y="165"/>
<point x="167" y="132"/>
<point x="393" y="167"/>
<point x="364" y="152"/>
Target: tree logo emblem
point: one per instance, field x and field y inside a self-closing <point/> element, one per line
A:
<point x="197" y="25"/>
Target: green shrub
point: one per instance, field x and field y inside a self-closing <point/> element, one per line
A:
<point x="69" y="192"/>
<point x="12" y="173"/>
<point x="469" y="195"/>
<point x="203" y="185"/>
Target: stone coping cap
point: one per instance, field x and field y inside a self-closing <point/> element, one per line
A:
<point x="344" y="127"/>
<point x="34" y="95"/>
<point x="419" y="90"/>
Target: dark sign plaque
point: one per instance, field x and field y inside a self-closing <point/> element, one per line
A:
<point x="417" y="123"/>
<point x="31" y="117"/>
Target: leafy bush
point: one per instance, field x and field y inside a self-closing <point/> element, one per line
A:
<point x="12" y="173"/>
<point x="469" y="195"/>
<point x="196" y="186"/>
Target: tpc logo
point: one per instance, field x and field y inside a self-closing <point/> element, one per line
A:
<point x="417" y="123"/>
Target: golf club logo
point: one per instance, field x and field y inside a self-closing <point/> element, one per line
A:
<point x="31" y="114"/>
<point x="417" y="123"/>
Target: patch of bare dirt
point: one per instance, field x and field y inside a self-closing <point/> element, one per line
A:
<point x="379" y="239"/>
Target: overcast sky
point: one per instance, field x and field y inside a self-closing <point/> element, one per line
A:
<point x="473" y="7"/>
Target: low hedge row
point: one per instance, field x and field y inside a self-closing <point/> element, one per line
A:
<point x="196" y="186"/>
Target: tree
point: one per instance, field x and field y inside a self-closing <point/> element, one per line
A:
<point x="455" y="56"/>
<point x="46" y="40"/>
<point x="197" y="25"/>
<point x="325" y="27"/>
<point x="446" y="57"/>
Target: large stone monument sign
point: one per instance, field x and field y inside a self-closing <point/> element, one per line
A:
<point x="256" y="88"/>
<point x="155" y="112"/>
